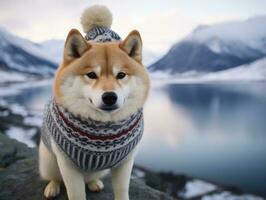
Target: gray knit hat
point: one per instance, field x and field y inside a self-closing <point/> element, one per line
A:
<point x="96" y="22"/>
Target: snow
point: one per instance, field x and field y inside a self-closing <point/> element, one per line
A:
<point x="230" y="196"/>
<point x="255" y="71"/>
<point x="18" y="109"/>
<point x="137" y="173"/>
<point x="215" y="46"/>
<point x="33" y="121"/>
<point x="6" y="91"/>
<point x="11" y="77"/>
<point x="22" y="135"/>
<point x="196" y="188"/>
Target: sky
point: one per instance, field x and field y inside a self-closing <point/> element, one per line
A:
<point x="161" y="23"/>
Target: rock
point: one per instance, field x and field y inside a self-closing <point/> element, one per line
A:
<point x="11" y="151"/>
<point x="20" y="179"/>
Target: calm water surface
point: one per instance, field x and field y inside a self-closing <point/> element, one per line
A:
<point x="212" y="131"/>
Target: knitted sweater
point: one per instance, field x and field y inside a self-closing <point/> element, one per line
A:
<point x="91" y="145"/>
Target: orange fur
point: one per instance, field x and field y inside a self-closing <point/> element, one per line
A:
<point x="106" y="55"/>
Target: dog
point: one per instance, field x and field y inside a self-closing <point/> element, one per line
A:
<point x="94" y="121"/>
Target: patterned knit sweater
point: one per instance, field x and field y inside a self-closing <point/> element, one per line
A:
<point x="91" y="145"/>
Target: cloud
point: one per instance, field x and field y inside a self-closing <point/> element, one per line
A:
<point x="161" y="30"/>
<point x="160" y="23"/>
<point x="40" y="20"/>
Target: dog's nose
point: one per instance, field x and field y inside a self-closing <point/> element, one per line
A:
<point x="109" y="98"/>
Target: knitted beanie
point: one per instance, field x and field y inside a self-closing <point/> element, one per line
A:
<point x="96" y="22"/>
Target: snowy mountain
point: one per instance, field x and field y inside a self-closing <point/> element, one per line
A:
<point x="21" y="55"/>
<point x="217" y="47"/>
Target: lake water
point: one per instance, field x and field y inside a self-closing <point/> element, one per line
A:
<point x="212" y="131"/>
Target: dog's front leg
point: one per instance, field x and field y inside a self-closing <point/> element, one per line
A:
<point x="121" y="178"/>
<point x="73" y="180"/>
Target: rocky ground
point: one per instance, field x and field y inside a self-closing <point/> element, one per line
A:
<point x="19" y="177"/>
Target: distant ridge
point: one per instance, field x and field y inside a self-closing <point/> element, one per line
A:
<point x="21" y="55"/>
<point x="217" y="47"/>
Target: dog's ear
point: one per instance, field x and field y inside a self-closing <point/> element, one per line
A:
<point x="75" y="45"/>
<point x="132" y="45"/>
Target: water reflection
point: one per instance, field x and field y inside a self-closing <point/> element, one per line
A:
<point x="212" y="131"/>
<point x="223" y="106"/>
<point x="163" y="120"/>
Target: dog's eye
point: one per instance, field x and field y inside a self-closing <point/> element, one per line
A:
<point x="121" y="75"/>
<point x="92" y="75"/>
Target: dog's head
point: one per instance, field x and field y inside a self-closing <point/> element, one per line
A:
<point x="103" y="81"/>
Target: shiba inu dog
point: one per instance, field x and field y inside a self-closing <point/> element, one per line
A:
<point x="94" y="122"/>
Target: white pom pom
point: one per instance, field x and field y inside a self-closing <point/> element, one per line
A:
<point x="96" y="16"/>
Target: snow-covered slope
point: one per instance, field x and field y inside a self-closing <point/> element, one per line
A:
<point x="18" y="54"/>
<point x="252" y="71"/>
<point x="255" y="71"/>
<point x="217" y="47"/>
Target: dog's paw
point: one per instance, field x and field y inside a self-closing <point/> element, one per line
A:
<point x="52" y="189"/>
<point x="95" y="185"/>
